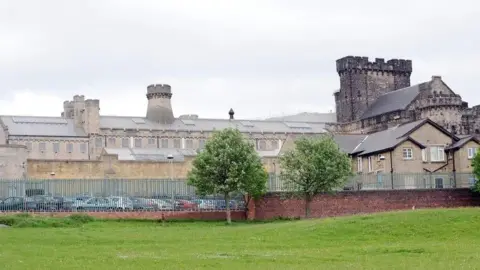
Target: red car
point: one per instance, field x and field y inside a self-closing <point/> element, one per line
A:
<point x="187" y="205"/>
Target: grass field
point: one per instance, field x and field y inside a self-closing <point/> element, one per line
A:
<point x="421" y="239"/>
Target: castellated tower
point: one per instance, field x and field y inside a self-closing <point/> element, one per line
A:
<point x="362" y="82"/>
<point x="159" y="107"/>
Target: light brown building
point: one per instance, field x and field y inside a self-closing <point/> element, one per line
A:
<point x="419" y="154"/>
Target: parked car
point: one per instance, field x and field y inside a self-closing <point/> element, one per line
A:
<point x="16" y="204"/>
<point x="143" y="204"/>
<point x="103" y="204"/>
<point x="43" y="203"/>
<point x="186" y="205"/>
<point x="205" y="204"/>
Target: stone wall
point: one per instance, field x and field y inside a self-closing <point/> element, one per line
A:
<point x="349" y="203"/>
<point x="110" y="167"/>
<point x="13" y="161"/>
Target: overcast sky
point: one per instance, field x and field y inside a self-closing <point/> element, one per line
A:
<point x="260" y="57"/>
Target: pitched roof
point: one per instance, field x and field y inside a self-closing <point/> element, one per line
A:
<point x="348" y="142"/>
<point x="61" y="127"/>
<point x="255" y="126"/>
<point x="382" y="140"/>
<point x="460" y="143"/>
<point x="393" y="101"/>
<point x="41" y="126"/>
<point x="387" y="139"/>
<point x="308" y="117"/>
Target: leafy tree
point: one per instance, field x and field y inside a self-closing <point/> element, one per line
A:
<point x="476" y="172"/>
<point x="315" y="165"/>
<point x="229" y="164"/>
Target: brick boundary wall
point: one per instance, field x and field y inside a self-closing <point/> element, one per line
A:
<point x="180" y="215"/>
<point x="275" y="205"/>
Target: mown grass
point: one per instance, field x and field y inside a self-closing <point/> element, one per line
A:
<point x="421" y="239"/>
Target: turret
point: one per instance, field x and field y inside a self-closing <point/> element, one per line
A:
<point x="362" y="82"/>
<point x="159" y="107"/>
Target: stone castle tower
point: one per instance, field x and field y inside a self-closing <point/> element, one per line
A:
<point x="159" y="107"/>
<point x="362" y="82"/>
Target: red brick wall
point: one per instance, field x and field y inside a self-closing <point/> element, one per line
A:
<point x="349" y="203"/>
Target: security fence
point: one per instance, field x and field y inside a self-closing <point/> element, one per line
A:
<point x="388" y="181"/>
<point x="177" y="195"/>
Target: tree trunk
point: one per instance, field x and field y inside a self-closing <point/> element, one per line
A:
<point x="308" y="200"/>
<point x="227" y="208"/>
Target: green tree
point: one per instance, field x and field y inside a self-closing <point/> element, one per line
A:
<point x="476" y="172"/>
<point x="228" y="164"/>
<point x="315" y="165"/>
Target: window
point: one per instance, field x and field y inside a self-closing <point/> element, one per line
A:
<point x="262" y="145"/>
<point x="274" y="145"/>
<point x="201" y="144"/>
<point x="112" y="142"/>
<point x="438" y="182"/>
<point x="471" y="152"/>
<point x="29" y="146"/>
<point x="359" y="164"/>
<point x="42" y="147"/>
<point x="189" y="144"/>
<point x="138" y="143"/>
<point x="151" y="141"/>
<point x="164" y="143"/>
<point x="370" y="164"/>
<point x="98" y="142"/>
<point x="407" y="153"/>
<point x="125" y="142"/>
<point x="69" y="147"/>
<point x="176" y="143"/>
<point x="437" y="153"/>
<point x="424" y="155"/>
<point x="56" y="147"/>
<point x="83" y="147"/>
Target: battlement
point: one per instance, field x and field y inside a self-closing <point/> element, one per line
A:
<point x="92" y="103"/>
<point x="79" y="98"/>
<point x="68" y="104"/>
<point x="439" y="100"/>
<point x="159" y="88"/>
<point x="362" y="63"/>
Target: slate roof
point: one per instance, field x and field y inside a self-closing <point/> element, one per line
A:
<point x="161" y="154"/>
<point x="348" y="142"/>
<point x="380" y="141"/>
<point x="60" y="127"/>
<point x="150" y="154"/>
<point x="393" y="101"/>
<point x="121" y="122"/>
<point x="41" y="126"/>
<point x="462" y="142"/>
<point x="308" y="117"/>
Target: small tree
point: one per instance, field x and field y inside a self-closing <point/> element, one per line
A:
<point x="315" y="165"/>
<point x="228" y="164"/>
<point x="476" y="172"/>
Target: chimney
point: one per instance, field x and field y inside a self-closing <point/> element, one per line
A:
<point x="231" y="113"/>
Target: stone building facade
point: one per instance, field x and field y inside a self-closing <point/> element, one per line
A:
<point x="376" y="95"/>
<point x="82" y="133"/>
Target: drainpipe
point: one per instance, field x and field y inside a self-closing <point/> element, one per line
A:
<point x="454" y="169"/>
<point x="391" y="167"/>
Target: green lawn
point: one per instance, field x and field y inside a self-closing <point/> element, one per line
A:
<point x="421" y="239"/>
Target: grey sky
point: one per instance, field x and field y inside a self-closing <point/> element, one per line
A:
<point x="261" y="57"/>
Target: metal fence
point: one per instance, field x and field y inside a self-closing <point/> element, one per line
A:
<point x="388" y="181"/>
<point x="177" y="195"/>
